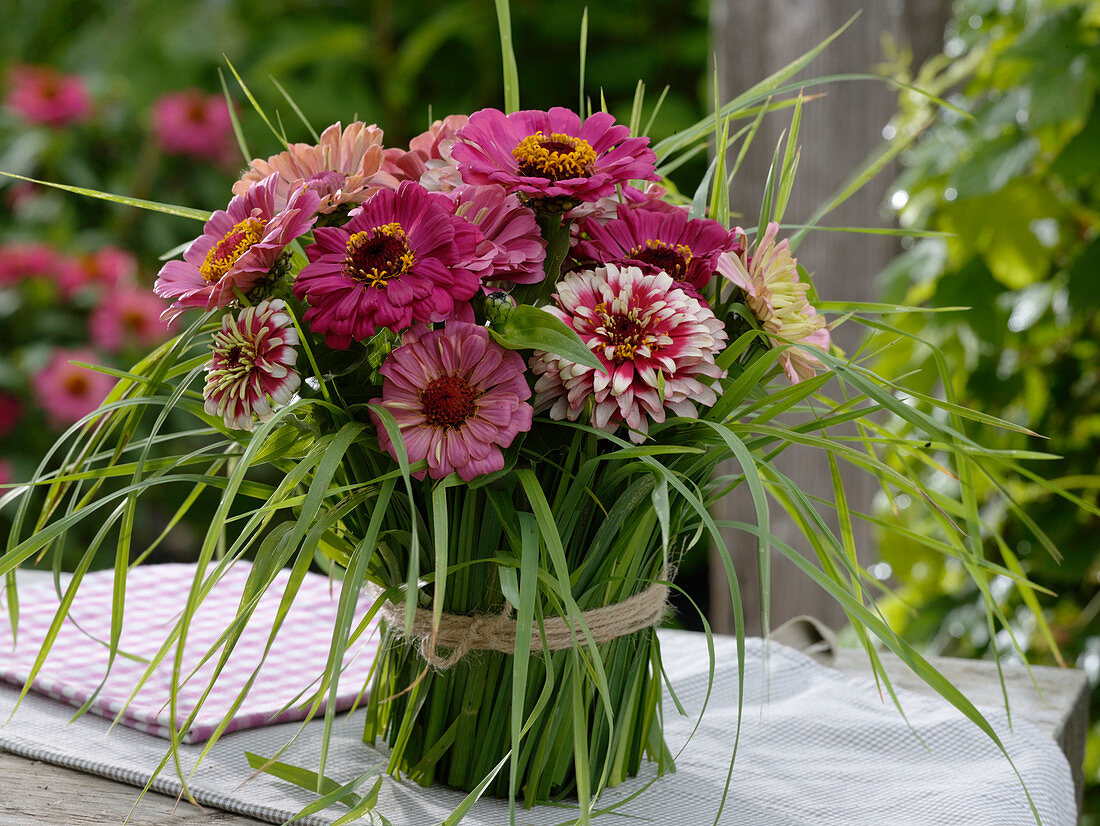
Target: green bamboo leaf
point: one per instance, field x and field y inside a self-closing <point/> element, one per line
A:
<point x="508" y="57"/>
<point x="528" y="327"/>
<point x="152" y="206"/>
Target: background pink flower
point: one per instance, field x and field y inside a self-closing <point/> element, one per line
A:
<point x="192" y="123"/>
<point x="458" y="397"/>
<point x="21" y="261"/>
<point x="6" y="474"/>
<point x="68" y="392"/>
<point x="11" y="410"/>
<point x="128" y="318"/>
<point x="104" y="268"/>
<point x="42" y="94"/>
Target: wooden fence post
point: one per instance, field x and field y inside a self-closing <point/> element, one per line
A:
<point x="752" y="39"/>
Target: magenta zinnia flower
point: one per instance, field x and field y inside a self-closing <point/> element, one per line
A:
<point x="512" y="248"/>
<point x="647" y="333"/>
<point x="252" y="370"/>
<point x="192" y="123"/>
<point x="551" y="155"/>
<point x="671" y="242"/>
<point x="428" y="160"/>
<point x="238" y="248"/>
<point x="402" y="258"/>
<point x="42" y="94"/>
<point x="458" y="397"/>
<point x="769" y="278"/>
<point x="128" y="318"/>
<point x="343" y="168"/>
<point x="68" y="392"/>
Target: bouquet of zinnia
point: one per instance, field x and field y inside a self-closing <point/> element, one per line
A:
<point x="492" y="378"/>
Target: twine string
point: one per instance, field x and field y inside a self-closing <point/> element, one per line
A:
<point x="462" y="633"/>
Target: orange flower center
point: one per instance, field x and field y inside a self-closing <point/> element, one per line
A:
<point x="376" y="255"/>
<point x="554" y="156"/>
<point x="668" y="258"/>
<point x="235" y="243"/>
<point x="448" y="401"/>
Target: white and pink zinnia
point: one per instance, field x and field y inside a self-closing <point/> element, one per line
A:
<point x="458" y="397"/>
<point x="657" y="344"/>
<point x="252" y="370"/>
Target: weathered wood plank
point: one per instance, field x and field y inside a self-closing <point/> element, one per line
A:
<point x="33" y="793"/>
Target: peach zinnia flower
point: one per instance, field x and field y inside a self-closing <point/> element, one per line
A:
<point x="769" y="278"/>
<point x="648" y="333"/>
<point x="428" y="160"/>
<point x="341" y="169"/>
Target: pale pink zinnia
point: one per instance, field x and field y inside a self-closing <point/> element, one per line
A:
<point x="238" y="248"/>
<point x="42" y="94"/>
<point x="104" y="268"/>
<point x="252" y="370"/>
<point x="512" y="248"/>
<point x="648" y="334"/>
<point x="428" y="160"/>
<point x="128" y="318"/>
<point x="768" y="275"/>
<point x="343" y="168"/>
<point x="401" y="259"/>
<point x="194" y="124"/>
<point x="458" y="398"/>
<point x="551" y="155"/>
<point x="68" y="392"/>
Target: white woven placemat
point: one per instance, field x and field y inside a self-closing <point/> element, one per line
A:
<point x="816" y="747"/>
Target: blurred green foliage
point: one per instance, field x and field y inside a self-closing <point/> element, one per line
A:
<point x="1017" y="185"/>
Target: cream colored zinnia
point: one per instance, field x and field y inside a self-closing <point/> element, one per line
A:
<point x="768" y="274"/>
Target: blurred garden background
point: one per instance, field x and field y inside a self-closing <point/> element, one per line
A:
<point x="1003" y="189"/>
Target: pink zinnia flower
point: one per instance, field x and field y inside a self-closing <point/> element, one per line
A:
<point x="651" y="197"/>
<point x="428" y="160"/>
<point x="671" y="242"/>
<point x="106" y="268"/>
<point x="238" y="248"/>
<point x="128" y="318"/>
<point x="11" y="410"/>
<point x="647" y="333"/>
<point x="551" y="155"/>
<point x="5" y="472"/>
<point x="402" y="258"/>
<point x="68" y="392"/>
<point x="42" y="94"/>
<point x="769" y="278"/>
<point x="458" y="397"/>
<point x="21" y="261"/>
<point x="512" y="248"/>
<point x="252" y="370"/>
<point x="342" y="169"/>
<point x="192" y="123"/>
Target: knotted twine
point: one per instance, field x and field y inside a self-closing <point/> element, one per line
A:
<point x="463" y="633"/>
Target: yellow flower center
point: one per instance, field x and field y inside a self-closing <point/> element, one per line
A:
<point x="235" y="243"/>
<point x="554" y="156"/>
<point x="376" y="255"/>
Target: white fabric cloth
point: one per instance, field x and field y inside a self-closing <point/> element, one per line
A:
<point x="816" y="747"/>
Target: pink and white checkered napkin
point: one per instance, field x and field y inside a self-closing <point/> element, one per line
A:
<point x="155" y="597"/>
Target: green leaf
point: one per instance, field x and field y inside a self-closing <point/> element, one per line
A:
<point x="152" y="206"/>
<point x="528" y="327"/>
<point x="508" y="56"/>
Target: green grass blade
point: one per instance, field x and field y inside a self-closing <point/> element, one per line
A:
<point x="508" y="57"/>
<point x="151" y="206"/>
